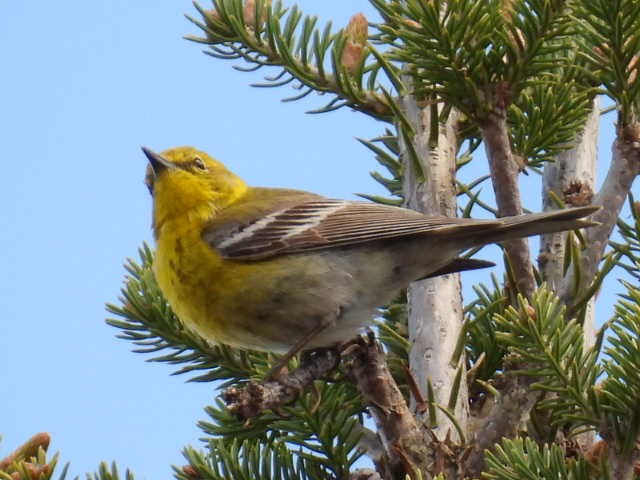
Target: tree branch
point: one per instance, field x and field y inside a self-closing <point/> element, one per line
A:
<point x="570" y="178"/>
<point x="435" y="304"/>
<point x="623" y="467"/>
<point x="624" y="168"/>
<point x="504" y="176"/>
<point x="262" y="42"/>
<point x="254" y="398"/>
<point x="506" y="417"/>
<point x="515" y="402"/>
<point x="402" y="438"/>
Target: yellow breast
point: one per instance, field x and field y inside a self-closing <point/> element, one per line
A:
<point x="189" y="274"/>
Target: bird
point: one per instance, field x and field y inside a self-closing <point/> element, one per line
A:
<point x="283" y="271"/>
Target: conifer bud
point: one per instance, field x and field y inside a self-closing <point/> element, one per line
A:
<point x="412" y="24"/>
<point x="356" y="35"/>
<point x="212" y="15"/>
<point x="191" y="472"/>
<point x="27" y="450"/>
<point x="530" y="312"/>
<point x="249" y="12"/>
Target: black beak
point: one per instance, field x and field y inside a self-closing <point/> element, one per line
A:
<point x="158" y="163"/>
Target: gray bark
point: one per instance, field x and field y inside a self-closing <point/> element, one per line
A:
<point x="435" y="305"/>
<point x="572" y="178"/>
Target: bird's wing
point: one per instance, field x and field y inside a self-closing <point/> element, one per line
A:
<point x="316" y="223"/>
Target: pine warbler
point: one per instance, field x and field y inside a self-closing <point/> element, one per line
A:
<point x="283" y="270"/>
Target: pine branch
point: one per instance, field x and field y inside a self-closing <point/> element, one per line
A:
<point x="610" y="48"/>
<point x="321" y="431"/>
<point x="251" y="400"/>
<point x="393" y="333"/>
<point x="546" y="117"/>
<point x="248" y="459"/>
<point x="545" y="354"/>
<point x="460" y="50"/>
<point x="484" y="353"/>
<point x="630" y="248"/>
<point x="536" y="34"/>
<point x="261" y="34"/>
<point x="145" y="318"/>
<point x="552" y="351"/>
<point x="387" y="154"/>
<point x="620" y="391"/>
<point x="523" y="458"/>
<point x="109" y="472"/>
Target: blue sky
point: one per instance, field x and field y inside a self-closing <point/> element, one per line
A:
<point x="84" y="85"/>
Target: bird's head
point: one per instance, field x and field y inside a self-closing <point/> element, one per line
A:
<point x="186" y="182"/>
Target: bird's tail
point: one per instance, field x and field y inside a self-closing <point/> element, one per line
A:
<point x="536" y="224"/>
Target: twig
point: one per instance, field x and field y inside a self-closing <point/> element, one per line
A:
<point x="265" y="46"/>
<point x="251" y="400"/>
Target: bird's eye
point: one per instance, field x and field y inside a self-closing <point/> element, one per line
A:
<point x="199" y="163"/>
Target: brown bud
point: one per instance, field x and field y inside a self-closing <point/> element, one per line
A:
<point x="636" y="206"/>
<point x="250" y="12"/>
<point x="351" y="57"/>
<point x="357" y="30"/>
<point x="27" y="450"/>
<point x="602" y="50"/>
<point x="37" y="471"/>
<point x="530" y="311"/>
<point x="191" y="472"/>
<point x="412" y="24"/>
<point x="356" y="34"/>
<point x="212" y="15"/>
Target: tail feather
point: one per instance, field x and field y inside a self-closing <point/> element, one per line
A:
<point x="460" y="264"/>
<point x="537" y="224"/>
